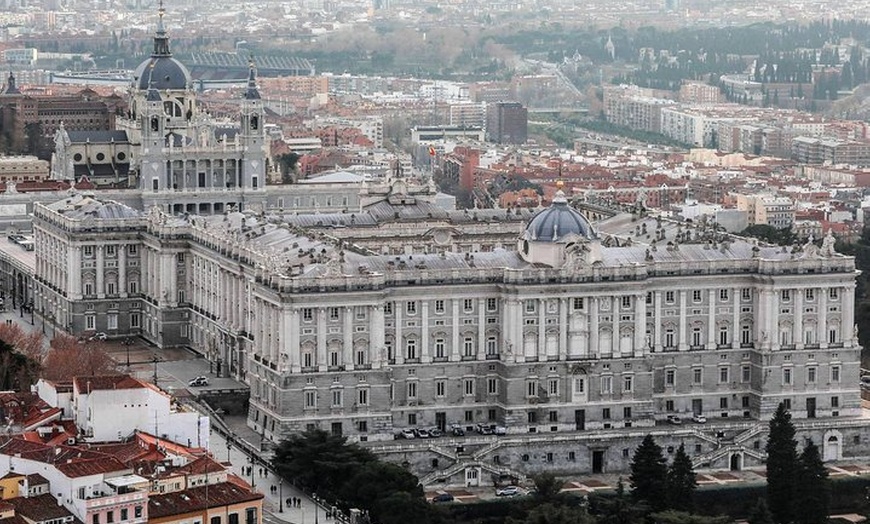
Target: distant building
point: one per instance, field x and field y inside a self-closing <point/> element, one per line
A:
<point x="22" y="169"/>
<point x="507" y="123"/>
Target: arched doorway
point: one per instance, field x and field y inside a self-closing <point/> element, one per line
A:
<point x="736" y="462"/>
<point x="832" y="448"/>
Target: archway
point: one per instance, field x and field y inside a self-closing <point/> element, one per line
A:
<point x="736" y="462"/>
<point x="832" y="448"/>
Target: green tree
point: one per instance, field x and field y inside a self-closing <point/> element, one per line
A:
<point x="649" y="475"/>
<point x="813" y="501"/>
<point x="681" y="517"/>
<point x="617" y="509"/>
<point x="17" y="372"/>
<point x="319" y="461"/>
<point x="760" y="513"/>
<point x="681" y="481"/>
<point x="375" y="482"/>
<point x="401" y="507"/>
<point x="554" y="514"/>
<point x="547" y="486"/>
<point x="782" y="466"/>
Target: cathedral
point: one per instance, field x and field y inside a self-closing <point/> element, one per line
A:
<point x="168" y="148"/>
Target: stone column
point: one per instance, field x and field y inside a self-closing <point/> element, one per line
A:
<point x="735" y="320"/>
<point x="823" y="317"/>
<point x="455" y="354"/>
<point x="481" y="329"/>
<point x="376" y="337"/>
<point x="848" y="294"/>
<point x="639" y="325"/>
<point x="425" y="356"/>
<point x="711" y="319"/>
<point x="542" y="329"/>
<point x="399" y="343"/>
<point x="797" y="329"/>
<point x="347" y="342"/>
<point x="682" y="336"/>
<point x="320" y="357"/>
<point x="74" y="270"/>
<point x="594" y="330"/>
<point x="101" y="271"/>
<point x="563" y="328"/>
<point x="291" y="339"/>
<point x="657" y="327"/>
<point x="122" y="270"/>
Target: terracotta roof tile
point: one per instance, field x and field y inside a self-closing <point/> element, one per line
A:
<point x="40" y="508"/>
<point x="108" y="382"/>
<point x="198" y="498"/>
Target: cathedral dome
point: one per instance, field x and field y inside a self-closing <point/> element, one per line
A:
<point x="558" y="221"/>
<point x="162" y="72"/>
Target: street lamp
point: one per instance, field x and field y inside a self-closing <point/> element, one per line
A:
<point x="281" y="495"/>
<point x="253" y="482"/>
<point x="229" y="446"/>
<point x="155" y="360"/>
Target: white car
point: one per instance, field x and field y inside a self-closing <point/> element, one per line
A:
<point x="675" y="420"/>
<point x="99" y="336"/>
<point x="198" y="382"/>
<point x="509" y="491"/>
<point x="700" y="419"/>
<point x="408" y="433"/>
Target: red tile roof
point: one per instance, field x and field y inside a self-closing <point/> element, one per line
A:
<point x="40" y="508"/>
<point x="107" y="382"/>
<point x="198" y="498"/>
<point x="202" y="466"/>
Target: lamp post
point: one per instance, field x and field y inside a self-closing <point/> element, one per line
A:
<point x="280" y="495"/>
<point x="253" y="482"/>
<point x="155" y="360"/>
<point x="229" y="446"/>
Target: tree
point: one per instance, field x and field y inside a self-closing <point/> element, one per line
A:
<point x="782" y="466"/>
<point x="554" y="514"/>
<point x="649" y="475"/>
<point x="813" y="501"/>
<point x="30" y="345"/>
<point x="68" y="358"/>
<point x="681" y="481"/>
<point x="547" y="486"/>
<point x="681" y="517"/>
<point x="760" y="513"/>
<point x="375" y="482"/>
<point x="319" y="461"/>
<point x="618" y="509"/>
<point x="401" y="507"/>
<point x="17" y="372"/>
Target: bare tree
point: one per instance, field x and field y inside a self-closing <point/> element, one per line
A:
<point x="68" y="358"/>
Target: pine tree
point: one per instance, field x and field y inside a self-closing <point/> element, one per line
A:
<point x="681" y="481"/>
<point x="760" y="513"/>
<point x="813" y="501"/>
<point x="781" y="466"/>
<point x="649" y="475"/>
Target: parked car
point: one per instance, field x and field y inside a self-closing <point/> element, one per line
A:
<point x="457" y="431"/>
<point x="435" y="433"/>
<point x="407" y="433"/>
<point x="442" y="497"/>
<point x="99" y="336"/>
<point x="422" y="433"/>
<point x="198" y="382"/>
<point x="675" y="420"/>
<point x="509" y="491"/>
<point x="700" y="419"/>
<point x="484" y="429"/>
<point x="499" y="430"/>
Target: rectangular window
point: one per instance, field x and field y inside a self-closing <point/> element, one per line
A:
<point x="469" y="415"/>
<point x="669" y="297"/>
<point x="133" y="287"/>
<point x="111" y="251"/>
<point x="310" y="399"/>
<point x="670" y="377"/>
<point x="491" y="304"/>
<point x="135" y="320"/>
<point x="723" y="402"/>
<point x="112" y="321"/>
<point x="90" y="322"/>
<point x="492" y="385"/>
<point x="360" y="312"/>
<point x="553" y="416"/>
<point x="88" y="251"/>
<point x="251" y="513"/>
<point x="234" y="518"/>
<point x="334" y="313"/>
<point x="746" y="294"/>
<point x="723" y="294"/>
<point x="785" y="295"/>
<point x="307" y="314"/>
<point x="412" y="390"/>
<point x="697" y="376"/>
<point x="669" y="405"/>
<point x="833" y="293"/>
<point x="626" y="412"/>
<point x="745" y="334"/>
<point x="468" y="346"/>
<point x="811" y="375"/>
<point x="468" y="305"/>
<point x="628" y="384"/>
<point x="745" y="374"/>
<point x="723" y="336"/>
<point x="626" y="302"/>
<point x="469" y="386"/>
<point x="531" y="306"/>
<point x="411" y="349"/>
<point x="723" y="375"/>
<point x="744" y="401"/>
<point x="835" y="402"/>
<point x="110" y="517"/>
<point x="835" y="373"/>
<point x="215" y="520"/>
<point x="362" y="426"/>
<point x="411" y="307"/>
<point x="439" y="348"/>
<point x="137" y="512"/>
<point x="696" y="295"/>
<point x="111" y="288"/>
<point x="532" y="388"/>
<point x="362" y="397"/>
<point x="89" y="289"/>
<point x="606" y="385"/>
<point x="337" y="398"/>
<point x="810" y="294"/>
<point x="388" y="308"/>
<point x="553" y="387"/>
<point x="95" y="518"/>
<point x="786" y="402"/>
<point x="439" y="306"/>
<point x="578" y="303"/>
<point x="786" y="376"/>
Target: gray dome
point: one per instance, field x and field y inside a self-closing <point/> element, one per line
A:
<point x="167" y="73"/>
<point x="558" y="221"/>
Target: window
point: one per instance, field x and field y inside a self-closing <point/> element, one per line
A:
<point x="626" y="412"/>
<point x="112" y="321"/>
<point x="468" y="346"/>
<point x="492" y="385"/>
<point x="669" y="297"/>
<point x="745" y="374"/>
<point x="785" y="295"/>
<point x="337" y="398"/>
<point x="786" y="402"/>
<point x="469" y="386"/>
<point x="670" y="338"/>
<point x="439" y="348"/>
<point x="89" y="288"/>
<point x="745" y="334"/>
<point x="553" y="416"/>
<point x="723" y="294"/>
<point x="135" y="320"/>
<point x="606" y="385"/>
<point x="605" y="413"/>
<point x="670" y="377"/>
<point x="835" y="402"/>
<point x="810" y="294"/>
<point x="532" y="388"/>
<point x="469" y="415"/>
<point x="439" y="306"/>
<point x="578" y="303"/>
<point x="786" y="376"/>
<point x="181" y="296"/>
<point x="833" y="293"/>
<point x="835" y="373"/>
<point x="360" y="312"/>
<point x="491" y="304"/>
<point x="626" y="302"/>
<point x="628" y="383"/>
<point x="669" y="405"/>
<point x="531" y="306"/>
<point x="491" y="346"/>
<point x="833" y="335"/>
<point x="696" y="295"/>
<point x="88" y="251"/>
<point x="362" y="426"/>
<point x="811" y="375"/>
<point x="411" y="307"/>
<point x="111" y="251"/>
<point x="697" y="376"/>
<point x="334" y="313"/>
<point x="723" y="375"/>
<point x="744" y="401"/>
<point x="133" y="250"/>
<point x="362" y="397"/>
<point x="179" y="258"/>
<point x="310" y="399"/>
<point x="215" y="520"/>
<point x="468" y="305"/>
<point x="90" y="322"/>
<point x="234" y="518"/>
<point x="412" y="390"/>
<point x="251" y="516"/>
<point x="388" y="308"/>
<point x="723" y="402"/>
<point x="307" y="314"/>
<point x="723" y="335"/>
<point x="696" y="336"/>
<point x="110" y="517"/>
<point x="746" y="294"/>
<point x="137" y="512"/>
<point x="412" y="419"/>
<point x="133" y="287"/>
<point x="95" y="518"/>
<point x="411" y="349"/>
<point x="553" y="387"/>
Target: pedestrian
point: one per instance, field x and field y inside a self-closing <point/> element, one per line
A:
<point x="287" y="502"/>
<point x="298" y="502"/>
